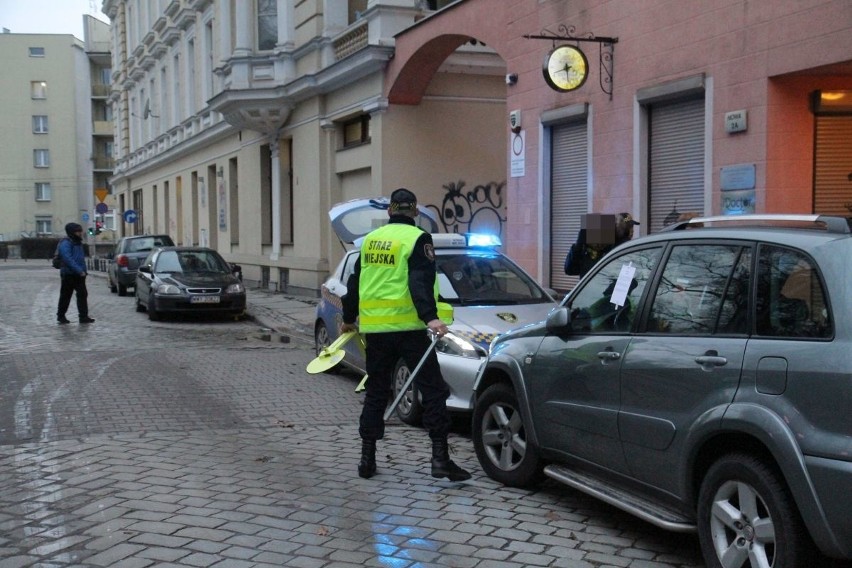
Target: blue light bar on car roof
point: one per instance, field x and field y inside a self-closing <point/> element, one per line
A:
<point x="482" y="240"/>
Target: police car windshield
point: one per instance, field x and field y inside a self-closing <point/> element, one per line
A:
<point x="485" y="279"/>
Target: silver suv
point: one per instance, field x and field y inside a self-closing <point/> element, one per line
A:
<point x="699" y="378"/>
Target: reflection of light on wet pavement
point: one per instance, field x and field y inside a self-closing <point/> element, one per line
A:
<point x="23" y="412"/>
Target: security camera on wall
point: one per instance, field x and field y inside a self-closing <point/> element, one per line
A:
<point x="515" y="121"/>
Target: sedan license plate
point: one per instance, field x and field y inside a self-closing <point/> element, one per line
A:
<point x="204" y="300"/>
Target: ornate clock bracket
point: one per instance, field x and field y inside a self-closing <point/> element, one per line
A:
<point x="606" y="50"/>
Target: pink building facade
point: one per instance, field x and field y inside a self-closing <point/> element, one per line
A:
<point x="707" y="106"/>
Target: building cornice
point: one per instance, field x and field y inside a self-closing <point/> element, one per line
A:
<point x="267" y="109"/>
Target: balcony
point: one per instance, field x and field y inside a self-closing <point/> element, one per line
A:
<point x="102" y="128"/>
<point x="100" y="90"/>
<point x="103" y="163"/>
<point x="352" y="40"/>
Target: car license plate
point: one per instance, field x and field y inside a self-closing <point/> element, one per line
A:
<point x="204" y="299"/>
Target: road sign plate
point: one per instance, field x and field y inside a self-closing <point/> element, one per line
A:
<point x="101" y="208"/>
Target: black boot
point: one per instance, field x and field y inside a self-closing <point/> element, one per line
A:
<point x="367" y="465"/>
<point x="442" y="465"/>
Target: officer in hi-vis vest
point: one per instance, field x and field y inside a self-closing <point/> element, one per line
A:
<point x="394" y="292"/>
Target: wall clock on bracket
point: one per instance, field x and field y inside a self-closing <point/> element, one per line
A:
<point x="565" y="68"/>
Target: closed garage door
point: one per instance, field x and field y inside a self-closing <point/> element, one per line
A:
<point x="833" y="166"/>
<point x="568" y="197"/>
<point x="676" y="161"/>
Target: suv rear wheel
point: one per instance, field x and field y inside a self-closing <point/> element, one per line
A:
<point x="747" y="518"/>
<point x="500" y="439"/>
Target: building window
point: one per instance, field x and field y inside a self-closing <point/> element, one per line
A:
<point x="42" y="191"/>
<point x="36" y="52"/>
<point x="267" y="24"/>
<point x="106" y="75"/>
<point x="38" y="89"/>
<point x="437" y="4"/>
<point x="40" y="124"/>
<point x="41" y="158"/>
<point x="356" y="131"/>
<point x="44" y="226"/>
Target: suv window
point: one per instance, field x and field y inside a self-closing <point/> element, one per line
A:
<point x="592" y="310"/>
<point x="698" y="291"/>
<point x="790" y="295"/>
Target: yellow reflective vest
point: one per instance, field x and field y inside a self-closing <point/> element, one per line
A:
<point x="385" y="302"/>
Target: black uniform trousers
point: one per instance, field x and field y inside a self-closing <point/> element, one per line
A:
<point x="383" y="351"/>
<point x="71" y="284"/>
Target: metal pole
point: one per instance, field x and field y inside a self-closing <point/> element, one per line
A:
<point x="410" y="379"/>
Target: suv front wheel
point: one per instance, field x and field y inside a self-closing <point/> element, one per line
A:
<point x="500" y="439"/>
<point x="747" y="518"/>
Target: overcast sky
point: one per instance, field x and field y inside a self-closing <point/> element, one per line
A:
<point x="48" y="16"/>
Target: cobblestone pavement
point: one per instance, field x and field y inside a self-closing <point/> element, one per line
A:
<point x="196" y="443"/>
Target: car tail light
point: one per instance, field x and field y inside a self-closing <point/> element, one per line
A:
<point x="122" y="261"/>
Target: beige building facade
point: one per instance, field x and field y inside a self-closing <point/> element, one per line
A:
<point x="46" y="175"/>
<point x="240" y="124"/>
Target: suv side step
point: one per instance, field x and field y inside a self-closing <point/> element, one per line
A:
<point x="646" y="510"/>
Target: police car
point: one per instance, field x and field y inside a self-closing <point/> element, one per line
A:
<point x="489" y="294"/>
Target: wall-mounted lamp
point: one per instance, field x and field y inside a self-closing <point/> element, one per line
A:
<point x="511" y="79"/>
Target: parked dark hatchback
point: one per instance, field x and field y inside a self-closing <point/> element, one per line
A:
<point x="188" y="280"/>
<point x="128" y="253"/>
<point x="699" y="378"/>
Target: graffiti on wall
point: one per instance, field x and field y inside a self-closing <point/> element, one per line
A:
<point x="477" y="210"/>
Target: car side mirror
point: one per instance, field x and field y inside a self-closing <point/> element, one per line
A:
<point x="145" y="268"/>
<point x="237" y="271"/>
<point x="558" y="320"/>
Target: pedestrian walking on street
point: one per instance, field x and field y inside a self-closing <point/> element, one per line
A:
<point x="394" y="292"/>
<point x="73" y="274"/>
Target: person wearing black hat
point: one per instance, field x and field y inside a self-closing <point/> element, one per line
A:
<point x="73" y="274"/>
<point x="393" y="291"/>
<point x="583" y="255"/>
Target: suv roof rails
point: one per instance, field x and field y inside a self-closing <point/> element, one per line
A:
<point x="829" y="223"/>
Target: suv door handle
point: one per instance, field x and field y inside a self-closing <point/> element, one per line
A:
<point x="711" y="359"/>
<point x="609" y="355"/>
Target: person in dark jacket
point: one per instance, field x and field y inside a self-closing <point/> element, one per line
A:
<point x="393" y="292"/>
<point x="582" y="256"/>
<point x="73" y="274"/>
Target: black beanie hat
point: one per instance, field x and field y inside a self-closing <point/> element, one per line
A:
<point x="72" y="228"/>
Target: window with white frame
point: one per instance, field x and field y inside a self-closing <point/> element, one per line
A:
<point x="36" y="52"/>
<point x="38" y="89"/>
<point x="44" y="226"/>
<point x="42" y="191"/>
<point x="40" y="124"/>
<point x="267" y="24"/>
<point x="41" y="158"/>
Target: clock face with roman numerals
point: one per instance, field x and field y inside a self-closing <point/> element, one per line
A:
<point x="565" y="68"/>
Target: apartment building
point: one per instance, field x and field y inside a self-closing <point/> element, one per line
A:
<point x="240" y="123"/>
<point x="55" y="127"/>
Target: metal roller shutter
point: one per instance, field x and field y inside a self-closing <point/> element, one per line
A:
<point x="568" y="196"/>
<point x="833" y="166"/>
<point x="676" y="161"/>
